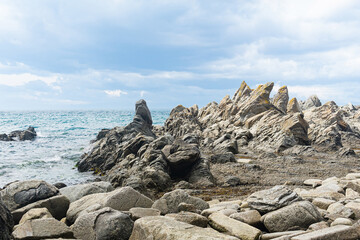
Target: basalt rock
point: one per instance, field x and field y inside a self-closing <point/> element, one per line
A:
<point x="20" y="135"/>
<point x="6" y="222"/>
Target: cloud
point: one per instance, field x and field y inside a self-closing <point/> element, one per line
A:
<point x="15" y="80"/>
<point x="115" y="93"/>
<point x="142" y="93"/>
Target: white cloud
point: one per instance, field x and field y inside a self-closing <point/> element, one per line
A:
<point x="115" y="93"/>
<point x="15" y="80"/>
<point x="142" y="93"/>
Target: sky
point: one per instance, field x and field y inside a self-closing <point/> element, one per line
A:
<point x="89" y="54"/>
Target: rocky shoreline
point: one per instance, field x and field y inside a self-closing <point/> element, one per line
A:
<point x="250" y="167"/>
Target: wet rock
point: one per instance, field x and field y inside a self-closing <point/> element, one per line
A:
<point x="18" y="194"/>
<point x="5" y="137"/>
<point x="42" y="229"/>
<point x="297" y="216"/>
<point x="272" y="199"/>
<point x="190" y="218"/>
<point x="122" y="199"/>
<point x="6" y="222"/>
<point x="105" y="223"/>
<point x="23" y="135"/>
<point x="60" y="185"/>
<point x="76" y="192"/>
<point x="170" y="201"/>
<point x="169" y="228"/>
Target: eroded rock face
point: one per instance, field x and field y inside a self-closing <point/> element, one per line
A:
<point x="20" y="135"/>
<point x="281" y="99"/>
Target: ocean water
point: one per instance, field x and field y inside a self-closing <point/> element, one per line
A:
<point x="62" y="138"/>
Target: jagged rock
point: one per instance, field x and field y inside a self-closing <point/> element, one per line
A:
<point x="297" y="216"/>
<point x="28" y="134"/>
<point x="6" y="222"/>
<point x="272" y="199"/>
<point x="18" y="194"/>
<point x="190" y="217"/>
<point x="122" y="199"/>
<point x="182" y="156"/>
<point x="293" y="106"/>
<point x="200" y="174"/>
<point x="281" y="99"/>
<point x="169" y="228"/>
<point x="105" y="223"/>
<point x="5" y="137"/>
<point x="312" y="101"/>
<point x="170" y="201"/>
<point x="57" y="206"/>
<point x="76" y="192"/>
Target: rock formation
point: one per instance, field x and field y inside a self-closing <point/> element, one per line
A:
<point x="20" y="135"/>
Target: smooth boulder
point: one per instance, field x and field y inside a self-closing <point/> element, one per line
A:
<point x="297" y="216"/>
<point x="121" y="199"/>
<point x="169" y="203"/>
<point x="105" y="223"/>
<point x="163" y="228"/>
<point x="6" y="222"/>
<point x="76" y="192"/>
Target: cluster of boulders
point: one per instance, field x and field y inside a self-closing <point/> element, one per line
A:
<point x="323" y="209"/>
<point x="20" y="135"/>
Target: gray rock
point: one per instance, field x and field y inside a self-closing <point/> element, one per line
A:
<point x="182" y="156"/>
<point x="272" y="199"/>
<point x="331" y="233"/>
<point x="200" y="174"/>
<point x="137" y="212"/>
<point x="281" y="99"/>
<point x="235" y="228"/>
<point x="76" y="192"/>
<point x="162" y="228"/>
<point x="223" y="158"/>
<point x="170" y="201"/>
<point x="297" y="216"/>
<point x="122" y="199"/>
<point x="251" y="217"/>
<point x="19" y="194"/>
<point x="28" y="134"/>
<point x="57" y="206"/>
<point x="5" y="137"/>
<point x="42" y="228"/>
<point x="6" y="222"/>
<point x="105" y="223"/>
<point x="190" y="217"/>
<point x="293" y="106"/>
<point x="35" y="213"/>
<point x="312" y="101"/>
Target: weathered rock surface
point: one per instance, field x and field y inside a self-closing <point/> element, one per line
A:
<point x="76" y="192"/>
<point x="272" y="199"/>
<point x="138" y="212"/>
<point x="331" y="233"/>
<point x="19" y="194"/>
<point x="122" y="199"/>
<point x="189" y="217"/>
<point x="105" y="223"/>
<point x="57" y="206"/>
<point x="235" y="228"/>
<point x="6" y="222"/>
<point x="35" y="213"/>
<point x="42" y="229"/>
<point x="281" y="99"/>
<point x="297" y="216"/>
<point x="169" y="203"/>
<point x="163" y="228"/>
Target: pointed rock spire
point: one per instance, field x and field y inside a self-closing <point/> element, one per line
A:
<point x="244" y="90"/>
<point x="281" y="99"/>
<point x="293" y="106"/>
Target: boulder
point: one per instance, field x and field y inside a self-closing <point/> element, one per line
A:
<point x="138" y="212"/>
<point x="182" y="156"/>
<point x="297" y="216"/>
<point x="42" y="229"/>
<point x="272" y="199"/>
<point x="223" y="158"/>
<point x="169" y="203"/>
<point x="35" y="213"/>
<point x="163" y="228"/>
<point x="122" y="199"/>
<point x="6" y="222"/>
<point x="342" y="221"/>
<point x="331" y="233"/>
<point x="233" y="227"/>
<point x="23" y="135"/>
<point x="190" y="217"/>
<point x="251" y="217"/>
<point x="5" y="137"/>
<point x="57" y="206"/>
<point x="19" y="194"/>
<point x="76" y="192"/>
<point x="105" y="223"/>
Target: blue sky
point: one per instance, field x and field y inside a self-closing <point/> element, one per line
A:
<point x="108" y="54"/>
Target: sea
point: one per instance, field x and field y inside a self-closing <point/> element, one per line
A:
<point x="62" y="137"/>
